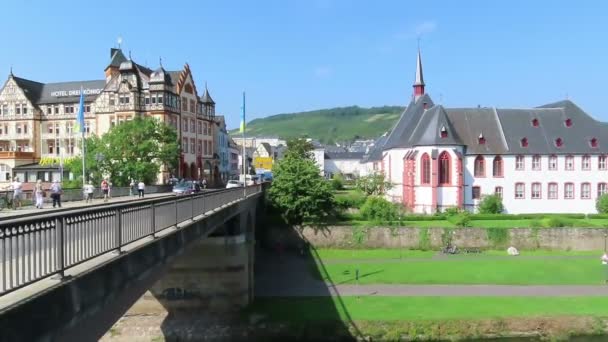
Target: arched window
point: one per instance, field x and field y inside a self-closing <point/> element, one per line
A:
<point x="480" y="167"/>
<point x="444" y="168"/>
<point x="497" y="167"/>
<point x="425" y="169"/>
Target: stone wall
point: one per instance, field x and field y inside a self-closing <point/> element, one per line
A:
<point x="412" y="238"/>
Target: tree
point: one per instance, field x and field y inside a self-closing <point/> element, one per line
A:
<point x="298" y="191"/>
<point x="602" y="204"/>
<point x="491" y="204"/>
<point x="374" y="184"/>
<point x="134" y="149"/>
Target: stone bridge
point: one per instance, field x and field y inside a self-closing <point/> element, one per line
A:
<point x="69" y="275"/>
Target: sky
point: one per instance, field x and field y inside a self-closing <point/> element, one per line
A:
<point x="292" y="56"/>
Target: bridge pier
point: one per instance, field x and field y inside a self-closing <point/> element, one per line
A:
<point x="215" y="275"/>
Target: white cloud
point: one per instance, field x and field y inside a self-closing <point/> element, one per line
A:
<point x="322" y="71"/>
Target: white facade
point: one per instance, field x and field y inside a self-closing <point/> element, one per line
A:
<point x="349" y="167"/>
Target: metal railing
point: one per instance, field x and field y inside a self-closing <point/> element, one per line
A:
<point x="40" y="246"/>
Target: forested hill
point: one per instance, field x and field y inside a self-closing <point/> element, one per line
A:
<point x="328" y="125"/>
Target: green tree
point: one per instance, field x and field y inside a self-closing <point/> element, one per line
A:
<point x="337" y="181"/>
<point x="298" y="191"/>
<point x="134" y="149"/>
<point x="378" y="209"/>
<point x="300" y="148"/>
<point x="602" y="204"/>
<point x="491" y="204"/>
<point x="374" y="184"/>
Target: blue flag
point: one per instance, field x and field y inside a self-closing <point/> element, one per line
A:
<point x="243" y="116"/>
<point x="79" y="127"/>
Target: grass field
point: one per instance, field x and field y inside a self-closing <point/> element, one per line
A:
<point x="507" y="223"/>
<point x="394" y="253"/>
<point x="470" y="270"/>
<point x="425" y="308"/>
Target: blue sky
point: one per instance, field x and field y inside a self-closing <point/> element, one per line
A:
<point x="303" y="55"/>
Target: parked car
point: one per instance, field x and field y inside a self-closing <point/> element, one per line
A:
<point x="233" y="184"/>
<point x="186" y="188"/>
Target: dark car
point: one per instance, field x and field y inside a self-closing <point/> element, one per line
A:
<point x="186" y="188"/>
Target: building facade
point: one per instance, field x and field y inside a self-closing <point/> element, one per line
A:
<point x="222" y="149"/>
<point x="548" y="159"/>
<point x="37" y="119"/>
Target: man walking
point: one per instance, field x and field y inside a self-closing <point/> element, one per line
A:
<point x="88" y="191"/>
<point x="17" y="187"/>
<point x="105" y="188"/>
<point x="56" y="193"/>
<point x="140" y="188"/>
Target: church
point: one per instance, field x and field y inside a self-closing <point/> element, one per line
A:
<point x="546" y="159"/>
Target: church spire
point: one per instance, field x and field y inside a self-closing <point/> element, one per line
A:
<point x="419" y="82"/>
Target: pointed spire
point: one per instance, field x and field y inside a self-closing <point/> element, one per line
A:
<point x="160" y="61"/>
<point x="11" y="71"/>
<point x="419" y="81"/>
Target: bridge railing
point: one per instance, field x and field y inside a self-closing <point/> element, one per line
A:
<point x="39" y="246"/>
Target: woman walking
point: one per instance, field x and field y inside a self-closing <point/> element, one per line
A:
<point x="140" y="188"/>
<point x="39" y="194"/>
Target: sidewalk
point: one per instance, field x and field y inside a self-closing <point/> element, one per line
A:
<point x="48" y="206"/>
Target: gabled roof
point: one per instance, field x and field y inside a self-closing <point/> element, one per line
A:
<point x="344" y="155"/>
<point x="434" y="128"/>
<point x="32" y="89"/>
<point x="116" y="58"/>
<point x="266" y="147"/>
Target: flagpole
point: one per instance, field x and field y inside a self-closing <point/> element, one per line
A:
<point x="243" y="123"/>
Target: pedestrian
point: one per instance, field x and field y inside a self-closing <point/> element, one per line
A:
<point x="38" y="193"/>
<point x="17" y="187"/>
<point x="140" y="188"/>
<point x="204" y="183"/>
<point x="605" y="265"/>
<point x="105" y="188"/>
<point x="132" y="188"/>
<point x="88" y="191"/>
<point x="109" y="189"/>
<point x="56" y="193"/>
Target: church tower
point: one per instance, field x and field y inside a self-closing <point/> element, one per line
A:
<point x="419" y="82"/>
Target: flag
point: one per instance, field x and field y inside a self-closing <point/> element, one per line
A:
<point x="243" y="115"/>
<point x="79" y="126"/>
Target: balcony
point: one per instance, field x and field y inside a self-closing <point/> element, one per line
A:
<point x="16" y="155"/>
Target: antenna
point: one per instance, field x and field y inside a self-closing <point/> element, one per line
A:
<point x="11" y="71"/>
<point x="119" y="41"/>
<point x="418" y="39"/>
<point x="160" y="61"/>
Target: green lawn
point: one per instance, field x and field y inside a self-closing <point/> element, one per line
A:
<point x="395" y="253"/>
<point x="507" y="223"/>
<point x="470" y="270"/>
<point x="425" y="308"/>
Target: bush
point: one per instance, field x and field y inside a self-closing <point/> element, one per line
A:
<point x="423" y="218"/>
<point x="378" y="209"/>
<point x="556" y="222"/>
<point x="491" y="204"/>
<point x="602" y="204"/>
<point x="451" y="211"/>
<point x="351" y="199"/>
<point x="337" y="182"/>
<point x="461" y="220"/>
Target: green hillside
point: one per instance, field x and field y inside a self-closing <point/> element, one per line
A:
<point x="328" y="125"/>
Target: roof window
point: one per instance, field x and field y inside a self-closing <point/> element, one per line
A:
<point x="535" y="122"/>
<point x="559" y="142"/>
<point x="481" y="139"/>
<point x="524" y="142"/>
<point x="444" y="132"/>
<point x="568" y="122"/>
<point x="593" y="143"/>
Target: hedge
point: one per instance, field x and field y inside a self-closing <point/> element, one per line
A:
<point x="499" y="217"/>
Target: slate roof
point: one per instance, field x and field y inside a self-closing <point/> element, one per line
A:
<point x="502" y="129"/>
<point x="116" y="58"/>
<point x="40" y="93"/>
<point x="375" y="154"/>
<point x="344" y="155"/>
<point x="206" y="98"/>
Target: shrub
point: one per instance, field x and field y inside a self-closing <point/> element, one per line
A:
<point x="556" y="222"/>
<point x="535" y="223"/>
<point x="498" y="236"/>
<point x="491" y="204"/>
<point x="337" y="182"/>
<point x="422" y="218"/>
<point x="378" y="209"/>
<point x="602" y="204"/>
<point x="451" y="211"/>
<point x="461" y="220"/>
<point x="351" y="199"/>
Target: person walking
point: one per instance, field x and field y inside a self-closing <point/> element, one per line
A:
<point x="109" y="189"/>
<point x="605" y="265"/>
<point x="105" y="188"/>
<point x="132" y="187"/>
<point x="140" y="188"/>
<point x="39" y="194"/>
<point x="88" y="191"/>
<point x="204" y="183"/>
<point x="17" y="187"/>
<point x="56" y="193"/>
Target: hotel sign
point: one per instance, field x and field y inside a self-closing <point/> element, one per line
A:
<point x="63" y="93"/>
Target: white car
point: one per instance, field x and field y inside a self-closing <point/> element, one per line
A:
<point x="233" y="184"/>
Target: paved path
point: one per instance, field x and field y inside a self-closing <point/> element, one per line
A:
<point x="455" y="258"/>
<point x="293" y="276"/>
<point x="48" y="207"/>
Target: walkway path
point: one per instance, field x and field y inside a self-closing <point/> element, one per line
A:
<point x="9" y="213"/>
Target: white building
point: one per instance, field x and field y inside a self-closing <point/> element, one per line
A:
<point x="549" y="159"/>
<point x="346" y="163"/>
